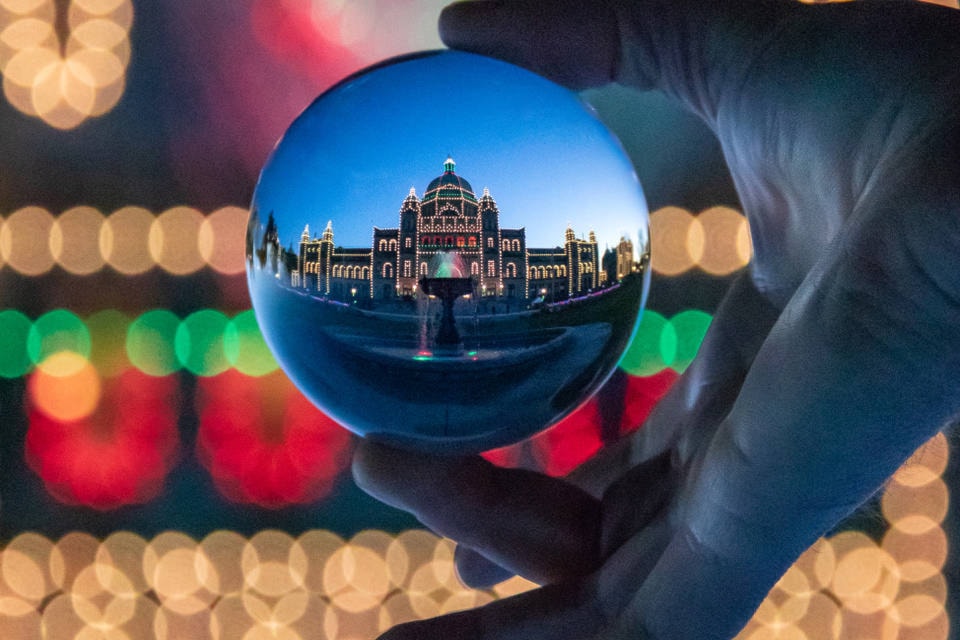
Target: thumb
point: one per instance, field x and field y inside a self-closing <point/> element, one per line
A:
<point x="572" y="42"/>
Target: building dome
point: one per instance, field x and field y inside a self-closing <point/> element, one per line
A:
<point x="449" y="185"/>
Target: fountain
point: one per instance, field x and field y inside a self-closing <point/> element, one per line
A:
<point x="447" y="284"/>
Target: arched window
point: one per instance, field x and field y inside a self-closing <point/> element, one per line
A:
<point x="563" y="270"/>
<point x="387" y="270"/>
<point x="461" y="241"/>
<point x="382" y="245"/>
<point x="516" y="245"/>
<point x="448" y="241"/>
<point x="511" y="271"/>
<point x="491" y="268"/>
<point x="423" y="268"/>
<point x="490" y="242"/>
<point x="474" y="268"/>
<point x="392" y="245"/>
<point x="472" y="241"/>
<point x="532" y="273"/>
<point x="365" y="273"/>
<point x="408" y="243"/>
<point x="506" y="245"/>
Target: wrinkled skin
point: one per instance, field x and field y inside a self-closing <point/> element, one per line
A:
<point x="827" y="364"/>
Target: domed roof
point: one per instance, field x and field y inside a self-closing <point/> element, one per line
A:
<point x="449" y="185"/>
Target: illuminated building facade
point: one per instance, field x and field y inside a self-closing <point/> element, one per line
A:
<point x="625" y="261"/>
<point x="449" y="219"/>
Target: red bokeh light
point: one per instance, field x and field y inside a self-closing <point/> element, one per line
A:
<point x="616" y="410"/>
<point x="119" y="454"/>
<point x="264" y="443"/>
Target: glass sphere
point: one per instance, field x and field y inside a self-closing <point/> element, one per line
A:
<point x="448" y="253"/>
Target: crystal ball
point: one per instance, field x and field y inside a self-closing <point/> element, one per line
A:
<point x="447" y="253"/>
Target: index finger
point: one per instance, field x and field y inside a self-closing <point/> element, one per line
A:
<point x="572" y="42"/>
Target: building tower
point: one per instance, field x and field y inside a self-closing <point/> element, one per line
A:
<point x="625" y="262"/>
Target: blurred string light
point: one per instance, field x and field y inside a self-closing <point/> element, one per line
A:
<point x="272" y="585"/>
<point x="717" y="241"/>
<point x="131" y="240"/>
<point x="264" y="443"/>
<point x="100" y="442"/>
<point x="64" y="83"/>
<point x="182" y="240"/>
<point x="852" y="586"/>
<point x="318" y="584"/>
<point x="208" y="342"/>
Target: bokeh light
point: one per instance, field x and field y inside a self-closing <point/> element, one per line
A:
<point x="117" y="453"/>
<point x="15" y="360"/>
<point x="64" y="84"/>
<point x="24" y="241"/>
<point x="150" y="342"/>
<point x="58" y="331"/>
<point x="266" y="444"/>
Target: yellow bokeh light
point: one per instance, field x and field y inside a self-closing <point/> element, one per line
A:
<point x="73" y="553"/>
<point x="915" y="510"/>
<point x="173" y="240"/>
<point x="25" y="568"/>
<point x="99" y="7"/>
<point x="866" y="580"/>
<point x="355" y="578"/>
<point x="28" y="64"/>
<point x="926" y="464"/>
<point x="27" y="33"/>
<point x="123" y="551"/>
<point x="24" y="242"/>
<point x="66" y="90"/>
<point x="318" y="546"/>
<point x="65" y="387"/>
<point x="920" y="557"/>
<point x="22" y="7"/>
<point x="222" y="239"/>
<point x="916" y="611"/>
<point x="75" y="238"/>
<point x="268" y="562"/>
<point x="669" y="228"/>
<point x="723" y="229"/>
<point x="123" y="240"/>
<point x="224" y="550"/>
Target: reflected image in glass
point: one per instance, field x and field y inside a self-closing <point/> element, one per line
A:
<point x="418" y="309"/>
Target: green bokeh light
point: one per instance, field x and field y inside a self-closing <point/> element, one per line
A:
<point x="653" y="346"/>
<point x="689" y="327"/>
<point x="199" y="343"/>
<point x="150" y="342"/>
<point x="108" y="330"/>
<point x="14" y="331"/>
<point x="57" y="331"/>
<point x="245" y="348"/>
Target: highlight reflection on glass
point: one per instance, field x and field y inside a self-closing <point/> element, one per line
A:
<point x="417" y="308"/>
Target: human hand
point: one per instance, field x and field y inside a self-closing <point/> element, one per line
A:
<point x="825" y="367"/>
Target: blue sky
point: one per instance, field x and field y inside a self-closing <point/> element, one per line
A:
<point x="354" y="154"/>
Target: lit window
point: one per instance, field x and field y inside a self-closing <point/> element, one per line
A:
<point x="406" y="268"/>
<point x="408" y="243"/>
<point x="491" y="268"/>
<point x="490" y="243"/>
